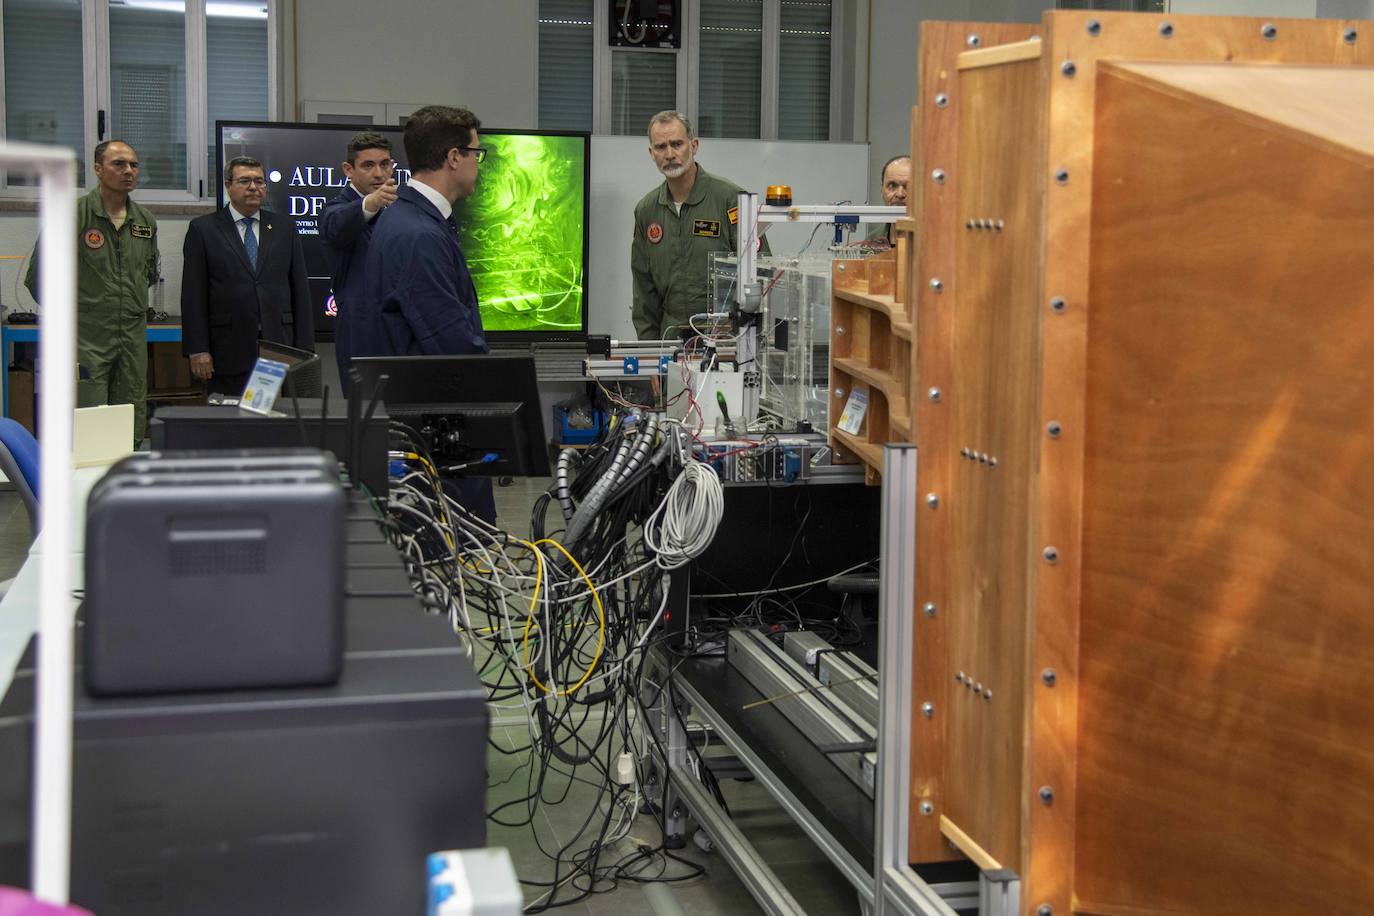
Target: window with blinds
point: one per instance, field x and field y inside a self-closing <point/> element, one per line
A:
<point x="1129" y="6"/>
<point x="236" y="70"/>
<point x="44" y="89"/>
<point x="730" y="68"/>
<point x="148" y="91"/>
<point x="643" y="83"/>
<point x="565" y="64"/>
<point x="804" y="70"/>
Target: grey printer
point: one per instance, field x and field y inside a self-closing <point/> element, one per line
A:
<point x="214" y="570"/>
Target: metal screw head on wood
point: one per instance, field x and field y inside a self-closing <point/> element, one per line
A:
<point x="1053" y="429"/>
<point x="927" y="808"/>
<point x="839" y="392"/>
<point x="1068" y="68"/>
<point x="1046" y="795"/>
<point x="1351" y="36"/>
<point x="929" y="608"/>
<point x="987" y="694"/>
<point x="928" y="710"/>
<point x="1049" y="677"/>
<point x="1051" y="554"/>
<point x="1094" y="28"/>
<point x="934" y="394"/>
<point x="938" y="176"/>
<point x="937" y="284"/>
<point x="973" y="40"/>
<point x="1058" y="304"/>
<point x="839" y="330"/>
<point x="1269" y="31"/>
<point x="1061" y="176"/>
<point x="932" y="500"/>
<point x="1044" y="909"/>
<point x="1166" y="30"/>
<point x="941" y="100"/>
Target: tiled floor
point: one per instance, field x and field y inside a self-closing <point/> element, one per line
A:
<point x="799" y="862"/>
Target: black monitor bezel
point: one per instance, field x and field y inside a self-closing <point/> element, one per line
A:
<point x="486" y="378"/>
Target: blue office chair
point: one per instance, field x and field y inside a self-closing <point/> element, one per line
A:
<point x="19" y="461"/>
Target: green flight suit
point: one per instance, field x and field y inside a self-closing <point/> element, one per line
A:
<point x="114" y="269"/>
<point x="670" y="252"/>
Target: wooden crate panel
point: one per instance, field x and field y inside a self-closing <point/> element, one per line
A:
<point x="935" y="294"/>
<point x="1225" y="757"/>
<point x="993" y="401"/>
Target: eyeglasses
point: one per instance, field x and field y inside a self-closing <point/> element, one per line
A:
<point x="371" y="165"/>
<point x="479" y="151"/>
<point x="250" y="182"/>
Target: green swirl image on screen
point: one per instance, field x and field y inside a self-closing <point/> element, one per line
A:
<point x="523" y="232"/>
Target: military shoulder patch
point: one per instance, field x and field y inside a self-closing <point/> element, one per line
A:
<point x="733" y="214"/>
<point x="93" y="238"/>
<point x="654" y="233"/>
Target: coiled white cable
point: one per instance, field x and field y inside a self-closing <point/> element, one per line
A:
<point x="685" y="522"/>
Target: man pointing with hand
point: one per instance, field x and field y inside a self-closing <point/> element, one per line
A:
<point x="346" y="229"/>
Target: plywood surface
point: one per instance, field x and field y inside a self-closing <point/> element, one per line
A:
<point x="995" y="372"/>
<point x="1323" y="105"/>
<point x="935" y="290"/>
<point x="1075" y="43"/>
<point x="1225" y="710"/>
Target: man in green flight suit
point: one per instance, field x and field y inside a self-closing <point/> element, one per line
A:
<point x="677" y="226"/>
<point x="116" y="262"/>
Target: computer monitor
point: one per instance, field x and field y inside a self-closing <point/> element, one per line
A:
<point x="304" y="374"/>
<point x="479" y="414"/>
<point x="524" y="230"/>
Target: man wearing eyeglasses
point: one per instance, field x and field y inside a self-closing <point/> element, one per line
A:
<point x="346" y="229"/>
<point x="116" y="262"/>
<point x="243" y="280"/>
<point x="420" y="298"/>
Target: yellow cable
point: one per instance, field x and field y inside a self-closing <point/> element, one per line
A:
<point x="600" y="610"/>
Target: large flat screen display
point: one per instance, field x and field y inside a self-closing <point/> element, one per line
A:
<point x="524" y="231"/>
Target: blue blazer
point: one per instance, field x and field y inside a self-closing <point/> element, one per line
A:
<point x="419" y="295"/>
<point x="345" y="232"/>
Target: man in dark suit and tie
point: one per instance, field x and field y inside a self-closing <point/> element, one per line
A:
<point x="346" y="228"/>
<point x="243" y="279"/>
<point x="420" y="298"/>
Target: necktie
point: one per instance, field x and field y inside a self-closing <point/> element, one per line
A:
<point x="250" y="241"/>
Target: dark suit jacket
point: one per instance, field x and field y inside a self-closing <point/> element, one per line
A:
<point x="223" y="297"/>
<point x="420" y="299"/>
<point x="345" y="232"/>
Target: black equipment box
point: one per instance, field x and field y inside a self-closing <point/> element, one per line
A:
<point x="285" y="801"/>
<point x="213" y="571"/>
<point x="232" y="428"/>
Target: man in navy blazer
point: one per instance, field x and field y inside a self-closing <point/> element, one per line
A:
<point x="420" y="298"/>
<point x="243" y="279"/>
<point x="346" y="227"/>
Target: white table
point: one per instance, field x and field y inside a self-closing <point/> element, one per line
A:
<point x="19" y="608"/>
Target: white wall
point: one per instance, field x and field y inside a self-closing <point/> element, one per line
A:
<point x="17" y="234"/>
<point x="480" y="54"/>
